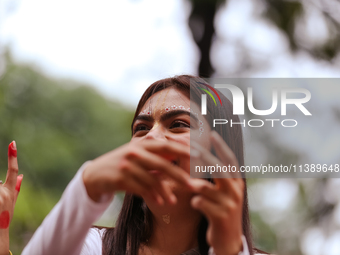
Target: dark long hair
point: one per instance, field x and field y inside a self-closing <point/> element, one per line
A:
<point x="134" y="223"/>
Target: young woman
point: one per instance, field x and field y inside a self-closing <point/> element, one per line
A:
<point x="9" y="191"/>
<point x="164" y="210"/>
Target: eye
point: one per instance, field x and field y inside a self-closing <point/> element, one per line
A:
<point x="179" y="124"/>
<point x="140" y="128"/>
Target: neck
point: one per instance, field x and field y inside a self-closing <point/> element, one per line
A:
<point x="174" y="231"/>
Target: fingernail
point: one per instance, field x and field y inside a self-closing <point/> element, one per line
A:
<point x="12" y="149"/>
<point x="190" y="185"/>
<point x="19" y="180"/>
<point x="173" y="199"/>
<point x="194" y="202"/>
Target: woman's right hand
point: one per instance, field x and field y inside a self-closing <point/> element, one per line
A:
<point x="8" y="196"/>
<point x="127" y="169"/>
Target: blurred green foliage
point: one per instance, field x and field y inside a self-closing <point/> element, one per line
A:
<point x="58" y="125"/>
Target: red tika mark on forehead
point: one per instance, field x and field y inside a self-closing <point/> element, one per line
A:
<point x="4" y="220"/>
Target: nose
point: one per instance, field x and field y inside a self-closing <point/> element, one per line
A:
<point x="157" y="132"/>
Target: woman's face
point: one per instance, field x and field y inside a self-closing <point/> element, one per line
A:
<point x="166" y="116"/>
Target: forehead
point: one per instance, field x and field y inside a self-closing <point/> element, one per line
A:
<point x="166" y="98"/>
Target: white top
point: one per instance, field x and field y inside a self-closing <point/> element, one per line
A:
<point x="67" y="228"/>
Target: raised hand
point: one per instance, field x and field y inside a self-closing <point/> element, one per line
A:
<point x="128" y="167"/>
<point x="8" y="196"/>
<point x="221" y="202"/>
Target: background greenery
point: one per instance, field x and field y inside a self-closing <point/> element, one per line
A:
<point x="58" y="125"/>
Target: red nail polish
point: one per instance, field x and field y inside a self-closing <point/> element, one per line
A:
<point x="19" y="180"/>
<point x="12" y="149"/>
<point x="4" y="220"/>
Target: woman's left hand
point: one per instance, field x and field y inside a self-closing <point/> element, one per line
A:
<point x="8" y="195"/>
<point x="221" y="202"/>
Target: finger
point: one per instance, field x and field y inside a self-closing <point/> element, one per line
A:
<point x="141" y="175"/>
<point x="12" y="172"/>
<point x="18" y="184"/>
<point x="211" y="210"/>
<point x="166" y="192"/>
<point x="151" y="161"/>
<point x="151" y="181"/>
<point x="218" y="170"/>
<point x="170" y="150"/>
<point x="133" y="186"/>
<point x="222" y="179"/>
<point x="17" y="189"/>
<point x="207" y="190"/>
<point x="225" y="154"/>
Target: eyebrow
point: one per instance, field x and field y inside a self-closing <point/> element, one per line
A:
<point x="164" y="117"/>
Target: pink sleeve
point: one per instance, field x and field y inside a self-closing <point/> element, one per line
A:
<point x="65" y="228"/>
